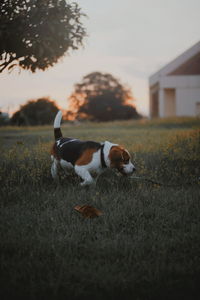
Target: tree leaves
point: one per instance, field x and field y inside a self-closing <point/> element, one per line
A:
<point x="101" y="97"/>
<point x="44" y="29"/>
<point x="35" y="112"/>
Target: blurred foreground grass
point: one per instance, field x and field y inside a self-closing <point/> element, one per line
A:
<point x="145" y="246"/>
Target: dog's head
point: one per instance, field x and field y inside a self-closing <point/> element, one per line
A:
<point x="120" y="159"/>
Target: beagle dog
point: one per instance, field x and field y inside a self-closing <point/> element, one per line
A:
<point x="87" y="158"/>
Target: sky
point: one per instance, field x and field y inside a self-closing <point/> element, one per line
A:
<point x="129" y="39"/>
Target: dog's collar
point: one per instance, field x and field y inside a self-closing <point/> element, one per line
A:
<point x="103" y="163"/>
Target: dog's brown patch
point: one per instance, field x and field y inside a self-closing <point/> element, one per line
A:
<point x="86" y="157"/>
<point x="126" y="156"/>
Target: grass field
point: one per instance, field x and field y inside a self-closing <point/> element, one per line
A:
<point x="146" y="245"/>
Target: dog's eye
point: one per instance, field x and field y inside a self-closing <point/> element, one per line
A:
<point x="126" y="161"/>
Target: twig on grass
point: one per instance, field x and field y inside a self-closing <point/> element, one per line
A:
<point x="164" y="184"/>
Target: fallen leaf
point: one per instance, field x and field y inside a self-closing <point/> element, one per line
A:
<point x="88" y="211"/>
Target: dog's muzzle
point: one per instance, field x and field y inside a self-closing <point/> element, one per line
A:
<point x="128" y="169"/>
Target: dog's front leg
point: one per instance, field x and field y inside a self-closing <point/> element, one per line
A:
<point x="84" y="174"/>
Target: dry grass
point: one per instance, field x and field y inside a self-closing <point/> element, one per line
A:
<point x="146" y="244"/>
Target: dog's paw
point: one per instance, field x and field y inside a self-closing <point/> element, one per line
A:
<point x="87" y="182"/>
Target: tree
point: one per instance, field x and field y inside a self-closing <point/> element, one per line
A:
<point x="35" y="112"/>
<point x="34" y="34"/>
<point x="4" y="118"/>
<point x="101" y="97"/>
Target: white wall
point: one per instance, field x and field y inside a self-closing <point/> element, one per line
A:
<point x="186" y="99"/>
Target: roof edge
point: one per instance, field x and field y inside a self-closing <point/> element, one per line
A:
<point x="175" y="63"/>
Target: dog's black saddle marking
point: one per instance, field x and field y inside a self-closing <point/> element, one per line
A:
<point x="71" y="149"/>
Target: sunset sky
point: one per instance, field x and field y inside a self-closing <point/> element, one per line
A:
<point x="129" y="39"/>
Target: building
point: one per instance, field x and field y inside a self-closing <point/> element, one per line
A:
<point x="175" y="89"/>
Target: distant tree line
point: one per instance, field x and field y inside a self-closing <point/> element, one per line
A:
<point x="98" y="97"/>
<point x="35" y="112"/>
<point x="4" y="118"/>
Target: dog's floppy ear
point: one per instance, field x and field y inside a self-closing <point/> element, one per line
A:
<point x="126" y="155"/>
<point x="115" y="155"/>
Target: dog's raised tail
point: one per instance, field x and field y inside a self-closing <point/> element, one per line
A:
<point x="56" y="125"/>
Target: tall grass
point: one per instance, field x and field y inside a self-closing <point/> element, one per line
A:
<point x="146" y="244"/>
